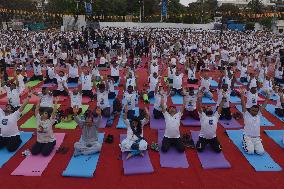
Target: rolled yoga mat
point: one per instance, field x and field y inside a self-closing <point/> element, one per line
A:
<point x="259" y="163"/>
<point x="208" y="158"/>
<point x="5" y="155"/>
<point x="277" y="136"/>
<point x="137" y="164"/>
<point x="35" y="165"/>
<point x="84" y="165"/>
<point x="171" y="159"/>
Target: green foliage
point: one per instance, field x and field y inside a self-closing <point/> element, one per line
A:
<point x="266" y="22"/>
<point x="256" y="6"/>
<point x="250" y="26"/>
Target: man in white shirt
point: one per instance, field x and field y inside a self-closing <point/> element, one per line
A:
<point x="154" y="81"/>
<point x="37" y="71"/>
<point x="190" y="104"/>
<point x="102" y="99"/>
<point x="172" y="136"/>
<point x="73" y="72"/>
<point x="251" y="139"/>
<point x="13" y="95"/>
<point x="130" y="97"/>
<point x="86" y="82"/>
<point x="279" y="109"/>
<point x="61" y="84"/>
<point x="209" y="121"/>
<point x="224" y="93"/>
<point x="177" y="84"/>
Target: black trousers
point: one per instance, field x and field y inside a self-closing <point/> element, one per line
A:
<point x="105" y="112"/>
<point x="226" y="113"/>
<point x="158" y="114"/>
<point x="73" y="80"/>
<point x="214" y="143"/>
<point x="88" y="93"/>
<point x="111" y="95"/>
<point x="43" y="148"/>
<point x="36" y="77"/>
<point x="279" y="112"/>
<point x="58" y="93"/>
<point x="243" y="79"/>
<point x="45" y="109"/>
<point x="48" y="80"/>
<point x="176" y="91"/>
<point x="115" y="78"/>
<point x="192" y="81"/>
<point x="167" y="143"/>
<point x="11" y="143"/>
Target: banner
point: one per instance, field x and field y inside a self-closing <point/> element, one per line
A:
<point x="89" y="9"/>
<point x="164" y="7"/>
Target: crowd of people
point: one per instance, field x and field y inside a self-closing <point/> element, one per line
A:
<point x="175" y="61"/>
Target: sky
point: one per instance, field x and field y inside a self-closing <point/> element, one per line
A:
<point x="186" y="2"/>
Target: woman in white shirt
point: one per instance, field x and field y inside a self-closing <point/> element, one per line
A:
<point x="73" y="72"/>
<point x="37" y="71"/>
<point x="9" y="132"/>
<point x="279" y="109"/>
<point x="134" y="143"/>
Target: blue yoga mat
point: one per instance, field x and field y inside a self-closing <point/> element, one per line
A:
<point x="111" y="100"/>
<point x="152" y="100"/>
<point x="213" y="83"/>
<point x="5" y="155"/>
<point x="271" y="109"/>
<point x="259" y="163"/>
<point x="272" y="97"/>
<point x="83" y="166"/>
<point x="72" y="85"/>
<point x="120" y="124"/>
<point x="263" y="120"/>
<point x="276" y="135"/>
<point x="177" y="99"/>
<point x="235" y="99"/>
<point x="245" y="83"/>
<point x="117" y="83"/>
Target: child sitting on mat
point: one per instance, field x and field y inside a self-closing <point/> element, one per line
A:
<point x="88" y="143"/>
<point x="190" y="104"/>
<point x="252" y="116"/>
<point x="134" y="143"/>
<point x="209" y="121"/>
<point x="45" y="138"/>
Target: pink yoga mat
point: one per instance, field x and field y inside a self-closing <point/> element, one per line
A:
<point x="35" y="165"/>
<point x="86" y="100"/>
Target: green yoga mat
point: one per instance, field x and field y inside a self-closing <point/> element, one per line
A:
<point x="32" y="83"/>
<point x="71" y="124"/>
<point x="27" y="109"/>
<point x="30" y="123"/>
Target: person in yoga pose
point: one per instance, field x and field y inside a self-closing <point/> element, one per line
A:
<point x="190" y="104"/>
<point x="224" y="93"/>
<point x="279" y="109"/>
<point x="45" y="138"/>
<point x="159" y="94"/>
<point x="13" y="93"/>
<point x="89" y="143"/>
<point x="134" y="143"/>
<point x="251" y="136"/>
<point x="172" y="133"/>
<point x="102" y="98"/>
<point x="209" y="121"/>
<point x="9" y="132"/>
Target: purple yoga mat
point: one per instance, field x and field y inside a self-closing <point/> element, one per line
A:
<point x="230" y="124"/>
<point x="190" y="122"/>
<point x="103" y="122"/>
<point x="208" y="158"/>
<point x="171" y="159"/>
<point x="137" y="164"/>
<point x="156" y="123"/>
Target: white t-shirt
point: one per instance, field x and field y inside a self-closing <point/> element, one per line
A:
<point x="177" y="81"/>
<point x="37" y="70"/>
<point x="114" y="71"/>
<point x="252" y="124"/>
<point x="73" y="71"/>
<point x="130" y="135"/>
<point x="278" y="101"/>
<point x="46" y="100"/>
<point x="154" y="69"/>
<point x="172" y="125"/>
<point x="102" y="99"/>
<point x="130" y="99"/>
<point x="130" y="82"/>
<point x="61" y="81"/>
<point x="191" y="73"/>
<point x="13" y="96"/>
<point x="190" y="102"/>
<point x="8" y="124"/>
<point x="153" y="83"/>
<point x="205" y="83"/>
<point x="50" y="72"/>
<point x="86" y="81"/>
<point x="157" y="104"/>
<point x="220" y="97"/>
<point x="44" y="130"/>
<point x="208" y="125"/>
<point x="251" y="99"/>
<point x="76" y="100"/>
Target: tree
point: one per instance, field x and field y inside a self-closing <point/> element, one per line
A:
<point x="18" y="4"/>
<point x="256" y="6"/>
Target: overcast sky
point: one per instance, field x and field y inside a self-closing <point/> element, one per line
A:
<point x="185" y="2"/>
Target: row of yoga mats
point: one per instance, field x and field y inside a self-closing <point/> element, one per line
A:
<point x="85" y="166"/>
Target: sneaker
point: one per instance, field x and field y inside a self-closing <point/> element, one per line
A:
<point x="155" y="147"/>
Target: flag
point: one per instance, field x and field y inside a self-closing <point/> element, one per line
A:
<point x="164" y="7"/>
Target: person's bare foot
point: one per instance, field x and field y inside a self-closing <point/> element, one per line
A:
<point x="129" y="155"/>
<point x="142" y="154"/>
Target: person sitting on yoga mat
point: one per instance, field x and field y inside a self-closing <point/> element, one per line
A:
<point x="224" y="92"/>
<point x="252" y="97"/>
<point x="20" y="78"/>
<point x="130" y="97"/>
<point x="268" y="86"/>
<point x="73" y="72"/>
<point x="46" y="140"/>
<point x="114" y="71"/>
<point x="9" y="132"/>
<point x="159" y="94"/>
<point x="46" y="100"/>
<point x="244" y="73"/>
<point x="88" y="144"/>
<point x="50" y="74"/>
<point x="111" y="92"/>
<point x="134" y="143"/>
<point x="205" y="85"/>
<point x="154" y="80"/>
<point x="171" y="73"/>
<point x="177" y="83"/>
<point x="61" y="83"/>
<point x="130" y="80"/>
<point x="95" y="72"/>
<point x="279" y="109"/>
<point x="251" y="136"/>
<point x="191" y="74"/>
<point x="75" y="102"/>
<point x="172" y="136"/>
<point x="102" y="98"/>
<point x="190" y="104"/>
<point x="209" y="121"/>
<point x="86" y="82"/>
<point x="37" y="71"/>
<point x="13" y="94"/>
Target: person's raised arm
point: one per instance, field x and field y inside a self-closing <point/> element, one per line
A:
<point x="163" y="104"/>
<point x="199" y="101"/>
<point x="183" y="106"/>
<point x="99" y="119"/>
<point x="147" y="116"/>
<point x="220" y="107"/>
<point x="26" y="101"/>
<point x="125" y="112"/>
<point x="55" y="106"/>
<point x="263" y="106"/>
<point x="243" y="101"/>
<point x="37" y="108"/>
